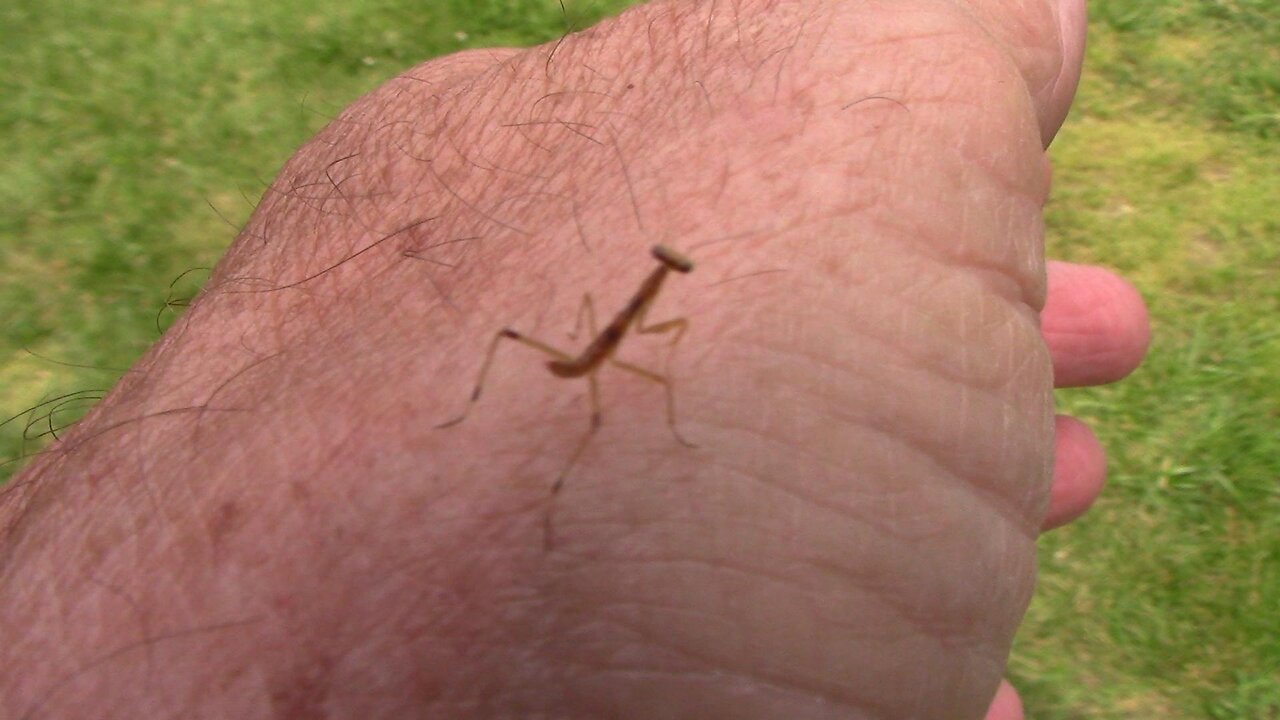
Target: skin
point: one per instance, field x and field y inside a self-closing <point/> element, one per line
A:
<point x="262" y="519"/>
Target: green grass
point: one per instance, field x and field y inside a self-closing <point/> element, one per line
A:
<point x="1165" y="600"/>
<point x="1201" y="60"/>
<point x="119" y="128"/>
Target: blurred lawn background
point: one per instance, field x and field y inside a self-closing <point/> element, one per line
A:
<point x="135" y="137"/>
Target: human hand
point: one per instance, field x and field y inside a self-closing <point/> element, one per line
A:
<point x="860" y="186"/>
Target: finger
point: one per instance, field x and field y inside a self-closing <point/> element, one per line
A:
<point x="1005" y="705"/>
<point x="1079" y="471"/>
<point x="1095" y="324"/>
<point x="1045" y="39"/>
<point x="1059" y="94"/>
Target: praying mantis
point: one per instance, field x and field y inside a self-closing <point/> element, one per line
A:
<point x="601" y="350"/>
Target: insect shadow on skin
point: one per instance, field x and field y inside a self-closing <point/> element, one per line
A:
<point x="596" y="354"/>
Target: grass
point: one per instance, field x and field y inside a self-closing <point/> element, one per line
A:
<point x="120" y="128"/>
<point x="1164" y="601"/>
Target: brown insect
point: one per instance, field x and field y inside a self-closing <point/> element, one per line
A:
<point x="602" y="348"/>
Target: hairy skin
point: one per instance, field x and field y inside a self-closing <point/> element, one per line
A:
<point x="263" y="520"/>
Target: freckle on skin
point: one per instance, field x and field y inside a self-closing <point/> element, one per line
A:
<point x="224" y="520"/>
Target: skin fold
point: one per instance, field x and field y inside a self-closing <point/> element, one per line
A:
<point x="264" y="520"/>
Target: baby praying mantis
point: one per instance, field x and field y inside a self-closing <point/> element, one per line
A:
<point x="601" y="350"/>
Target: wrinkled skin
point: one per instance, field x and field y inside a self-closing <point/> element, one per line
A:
<point x="263" y="520"/>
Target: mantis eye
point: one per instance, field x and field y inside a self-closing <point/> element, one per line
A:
<point x="672" y="259"/>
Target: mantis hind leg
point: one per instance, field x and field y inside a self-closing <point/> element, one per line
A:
<point x="548" y="535"/>
<point x="587" y="309"/>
